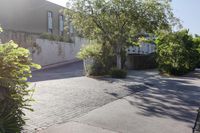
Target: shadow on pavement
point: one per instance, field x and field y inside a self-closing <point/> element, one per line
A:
<point x="177" y="98"/>
<point x="60" y="72"/>
<point x="156" y="96"/>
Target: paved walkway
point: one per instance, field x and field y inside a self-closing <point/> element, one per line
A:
<point x="121" y="116"/>
<point x="144" y="102"/>
<point x="62" y="93"/>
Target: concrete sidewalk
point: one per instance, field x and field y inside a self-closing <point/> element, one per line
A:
<point x="122" y="116"/>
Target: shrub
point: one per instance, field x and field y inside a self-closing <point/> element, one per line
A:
<point x="9" y="123"/>
<point x="118" y="73"/>
<point x="15" y="68"/>
<point x="197" y="43"/>
<point x="98" y="59"/>
<point x="90" y="51"/>
<point x="48" y="36"/>
<point x="45" y="36"/>
<point x="176" y="53"/>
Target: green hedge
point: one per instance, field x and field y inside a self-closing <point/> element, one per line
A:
<point x="176" y="53"/>
<point x="102" y="59"/>
<point x="118" y="73"/>
<point x="197" y="43"/>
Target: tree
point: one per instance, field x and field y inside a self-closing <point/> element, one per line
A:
<point x="177" y="52"/>
<point x="196" y="40"/>
<point x="117" y="22"/>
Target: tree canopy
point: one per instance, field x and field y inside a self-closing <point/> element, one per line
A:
<point x="117" y="22"/>
<point x="177" y="52"/>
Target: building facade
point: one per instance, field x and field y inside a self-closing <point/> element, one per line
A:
<point x="25" y="20"/>
<point x="35" y="16"/>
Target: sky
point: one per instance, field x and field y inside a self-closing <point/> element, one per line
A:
<point x="188" y="11"/>
<point x="59" y="2"/>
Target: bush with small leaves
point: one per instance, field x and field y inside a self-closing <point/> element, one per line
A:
<point x="15" y="69"/>
<point x="176" y="53"/>
<point x="98" y="59"/>
<point x="197" y="43"/>
<point x="118" y="73"/>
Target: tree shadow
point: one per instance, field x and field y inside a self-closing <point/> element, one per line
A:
<point x="165" y="97"/>
<point x="60" y="72"/>
<point x="195" y="74"/>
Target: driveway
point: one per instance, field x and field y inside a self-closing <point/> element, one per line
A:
<point x="62" y="94"/>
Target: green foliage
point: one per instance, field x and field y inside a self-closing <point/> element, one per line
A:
<point x="15" y="62"/>
<point x="176" y="53"/>
<point x="118" y="73"/>
<point x="90" y="51"/>
<point x="100" y="58"/>
<point x="15" y="68"/>
<point x="116" y="19"/>
<point x="9" y="123"/>
<point x="116" y="22"/>
<point x="197" y="43"/>
<point x="55" y="37"/>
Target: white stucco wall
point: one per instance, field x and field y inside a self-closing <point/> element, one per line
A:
<point x="52" y="52"/>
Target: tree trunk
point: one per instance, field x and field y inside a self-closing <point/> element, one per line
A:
<point x="119" y="58"/>
<point x="3" y="93"/>
<point x="119" y="61"/>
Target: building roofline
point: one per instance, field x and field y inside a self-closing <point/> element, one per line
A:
<point x="55" y="4"/>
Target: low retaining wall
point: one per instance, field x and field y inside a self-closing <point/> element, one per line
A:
<point x="52" y="52"/>
<point x="45" y="52"/>
<point x="23" y="39"/>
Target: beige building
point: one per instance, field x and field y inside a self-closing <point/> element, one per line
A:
<point x="35" y="16"/>
<point x="25" y="20"/>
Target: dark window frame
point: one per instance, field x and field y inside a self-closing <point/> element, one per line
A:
<point x="61" y="33"/>
<point x="49" y="30"/>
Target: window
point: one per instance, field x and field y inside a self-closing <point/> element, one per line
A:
<point x="71" y="28"/>
<point x="61" y="24"/>
<point x="50" y="22"/>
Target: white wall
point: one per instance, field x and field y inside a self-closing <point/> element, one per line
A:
<point x="52" y="52"/>
<point x="144" y="48"/>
